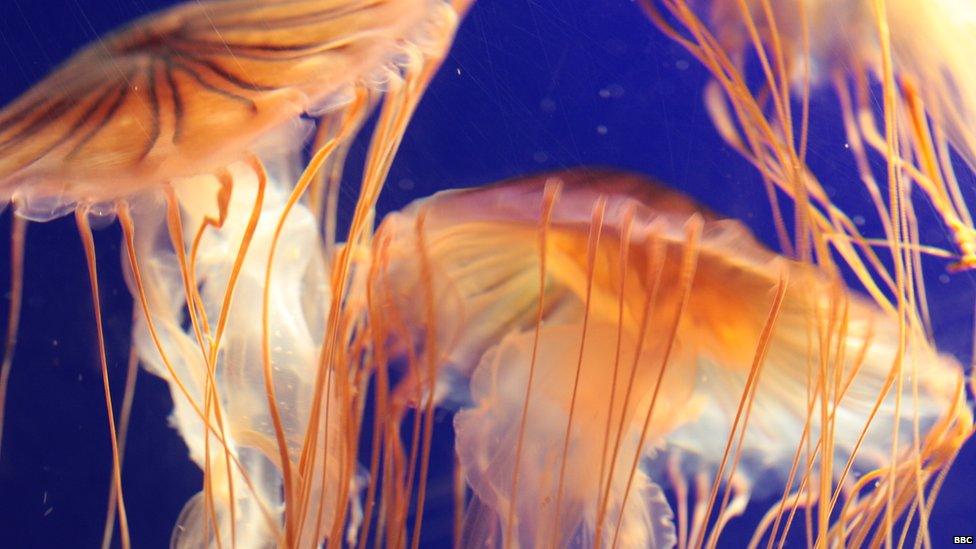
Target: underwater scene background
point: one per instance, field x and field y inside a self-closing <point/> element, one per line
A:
<point x="529" y="86"/>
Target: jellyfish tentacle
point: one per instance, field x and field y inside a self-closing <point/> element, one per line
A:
<point x="225" y="181"/>
<point x="245" y="245"/>
<point x="200" y="324"/>
<point x="299" y="500"/>
<point x="745" y="409"/>
<point x="767" y="149"/>
<point x="379" y="334"/>
<point x="84" y="231"/>
<point x="595" y="230"/>
<point x="397" y="109"/>
<point x="624" y="258"/>
<point x="430" y="358"/>
<point x="324" y="382"/>
<point x="152" y="303"/>
<point x="18" y="240"/>
<point x="131" y="374"/>
<point x="689" y="263"/>
<point x="486" y="438"/>
<point x="550" y="196"/>
<point x="908" y="134"/>
<point x="286" y="466"/>
<point x="401" y="467"/>
<point x="223" y="197"/>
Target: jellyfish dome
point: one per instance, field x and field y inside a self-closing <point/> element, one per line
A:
<point x="373" y="296"/>
<point x="191" y="125"/>
<point x="610" y="338"/>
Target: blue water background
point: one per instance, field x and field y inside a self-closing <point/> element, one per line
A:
<point x="530" y="85"/>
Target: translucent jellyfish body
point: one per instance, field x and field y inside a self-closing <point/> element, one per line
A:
<point x="191" y="126"/>
<point x="615" y="352"/>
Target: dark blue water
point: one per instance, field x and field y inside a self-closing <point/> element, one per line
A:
<point x="530" y="85"/>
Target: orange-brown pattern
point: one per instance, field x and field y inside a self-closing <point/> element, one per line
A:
<point x="186" y="91"/>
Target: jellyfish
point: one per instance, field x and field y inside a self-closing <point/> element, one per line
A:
<point x="631" y="370"/>
<point x="904" y="88"/>
<point x="189" y="126"/>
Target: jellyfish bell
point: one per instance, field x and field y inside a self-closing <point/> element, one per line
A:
<point x="190" y="125"/>
<point x="611" y="344"/>
<point x="195" y="88"/>
<point x="491" y="293"/>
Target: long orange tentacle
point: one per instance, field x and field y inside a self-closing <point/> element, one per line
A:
<point x="88" y="240"/>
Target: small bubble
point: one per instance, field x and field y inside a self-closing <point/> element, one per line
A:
<point x="944" y="278"/>
<point x="612" y="91"/>
<point x="682" y="64"/>
<point x="601" y="129"/>
<point x="858" y="220"/>
<point x="405" y="184"/>
<point x="847" y="145"/>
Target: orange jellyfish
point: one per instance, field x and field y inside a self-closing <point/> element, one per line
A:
<point x="904" y="84"/>
<point x="189" y="125"/>
<point x="633" y="371"/>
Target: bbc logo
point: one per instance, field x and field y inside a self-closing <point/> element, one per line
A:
<point x="962" y="540"/>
